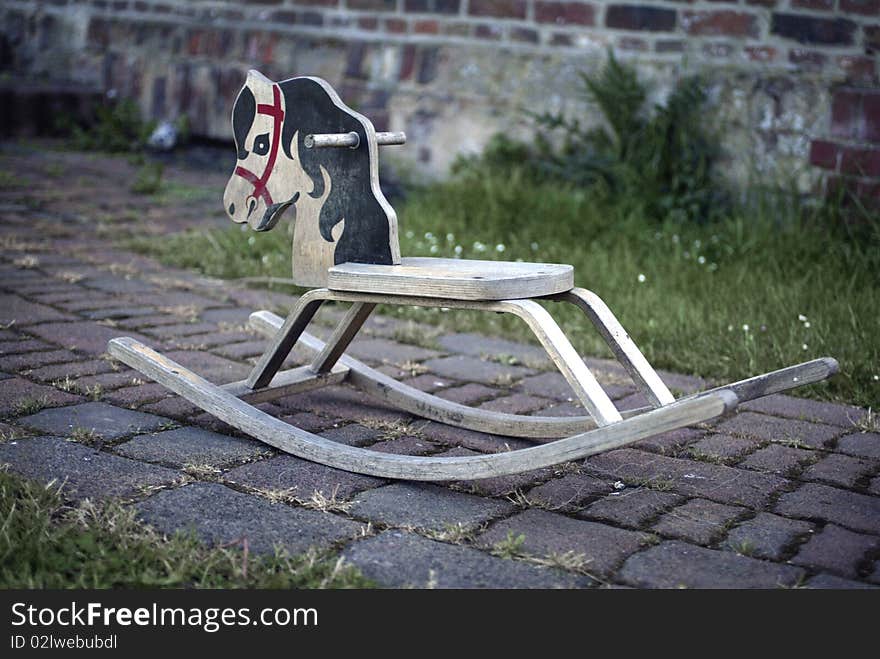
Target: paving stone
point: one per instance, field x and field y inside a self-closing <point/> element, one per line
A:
<point x="633" y="401"/>
<point x="477" y="370"/>
<point x="699" y="521"/>
<point x="632" y="507"/>
<point x="670" y="443"/>
<point x="194" y="446"/>
<point x="137" y="395"/>
<point x="144" y="322"/>
<point x="85" y="336"/>
<point x="352" y="434"/>
<point x="564" y="410"/>
<point x="118" y="285"/>
<point x="82" y="471"/>
<point x="23" y="312"/>
<point x="546" y="533"/>
<point x="70" y="369"/>
<point x="213" y="339"/>
<point x="174" y="407"/>
<point x="300" y="478"/>
<point x="115" y="380"/>
<point x="117" y="313"/>
<point x="874" y="485"/>
<point x="503" y="485"/>
<point x="22" y="346"/>
<point x="398" y="559"/>
<point x="471" y="439"/>
<point x="831" y="582"/>
<point x="778" y="459"/>
<point x="676" y="564"/>
<point x="766" y="535"/>
<point x="211" y="367"/>
<point x="221" y="516"/>
<point x="234" y="315"/>
<point x="346" y="403"/>
<point x="25" y="363"/>
<point x="686" y="384"/>
<point x="863" y="444"/>
<point x="468" y="394"/>
<point x="314" y="422"/>
<point x="842" y="470"/>
<point x="859" y="512"/>
<point x="106" y="421"/>
<point x="16" y="394"/>
<point x="715" y="482"/>
<point x="426" y="382"/>
<point x="548" y="385"/>
<point x="723" y="447"/>
<point x="181" y="329"/>
<point x="242" y="351"/>
<point x="837" y="550"/>
<point x="383" y="350"/>
<point x="773" y="429"/>
<point x="426" y="506"/>
<point x="569" y="492"/>
<point x="514" y="404"/>
<point x="806" y="409"/>
<point x="405" y="446"/>
<point x="477" y="345"/>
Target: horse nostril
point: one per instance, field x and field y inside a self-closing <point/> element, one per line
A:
<point x="232" y="209"/>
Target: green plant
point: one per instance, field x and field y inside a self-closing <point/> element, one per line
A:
<point x="659" y="159"/>
<point x="47" y="544"/>
<point x="118" y="127"/>
<point x="510" y="547"/>
<point x="149" y="178"/>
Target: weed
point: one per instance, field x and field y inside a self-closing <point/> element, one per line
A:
<point x="510" y="547"/>
<point x="202" y="471"/>
<point x="46" y="544"/>
<point x="454" y="533"/>
<point x="327" y="504"/>
<point x="31" y="405"/>
<point x="148" y="179"/>
<point x="86" y="436"/>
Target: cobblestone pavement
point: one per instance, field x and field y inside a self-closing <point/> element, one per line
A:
<point x="785" y="493"/>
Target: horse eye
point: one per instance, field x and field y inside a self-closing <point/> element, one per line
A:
<point x="261" y="144"/>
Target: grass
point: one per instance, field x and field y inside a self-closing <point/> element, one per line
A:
<point x="762" y="289"/>
<point x="47" y="544"/>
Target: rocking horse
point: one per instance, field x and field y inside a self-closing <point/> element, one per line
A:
<point x="301" y="149"/>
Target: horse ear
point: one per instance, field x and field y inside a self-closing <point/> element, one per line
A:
<point x="254" y="76"/>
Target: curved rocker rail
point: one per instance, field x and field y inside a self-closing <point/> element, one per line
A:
<point x="431" y="407"/>
<point x="230" y="409"/>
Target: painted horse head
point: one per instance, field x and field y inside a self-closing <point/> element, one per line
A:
<point x="340" y="213"/>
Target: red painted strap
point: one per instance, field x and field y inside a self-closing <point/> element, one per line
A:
<point x="277" y="115"/>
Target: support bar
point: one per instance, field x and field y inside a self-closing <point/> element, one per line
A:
<point x="351" y="140"/>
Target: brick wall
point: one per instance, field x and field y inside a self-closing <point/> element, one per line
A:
<point x="450" y="72"/>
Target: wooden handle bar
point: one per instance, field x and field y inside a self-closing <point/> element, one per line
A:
<point x="351" y="140"/>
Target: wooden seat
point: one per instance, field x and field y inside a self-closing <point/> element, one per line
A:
<point x="460" y="279"/>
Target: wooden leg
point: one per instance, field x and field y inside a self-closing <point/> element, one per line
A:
<point x="566" y="358"/>
<point x="230" y="409"/>
<point x="623" y="347"/>
<point x="343" y="334"/>
<point x="284" y="340"/>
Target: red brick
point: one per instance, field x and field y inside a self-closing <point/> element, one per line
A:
<point x="861" y="162"/>
<point x="846" y="111"/>
<point x="488" y="31"/>
<point x="368" y="23"/>
<point x="864" y="7"/>
<point x="760" y="53"/>
<point x="819" y="5"/>
<point x="858" y="68"/>
<point x="871" y="116"/>
<point x="639" y="17"/>
<point x="426" y="27"/>
<point x="524" y="34"/>
<point x="719" y="23"/>
<point x="824" y="154"/>
<point x="373" y="5"/>
<point x="432" y="6"/>
<point x="395" y="26"/>
<point x="498" y="8"/>
<point x="810" y="29"/>
<point x="807" y="60"/>
<point x="565" y="13"/>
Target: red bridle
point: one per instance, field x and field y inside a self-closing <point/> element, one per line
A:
<point x="277" y="115"/>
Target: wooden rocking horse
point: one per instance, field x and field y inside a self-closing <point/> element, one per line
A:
<point x="301" y="148"/>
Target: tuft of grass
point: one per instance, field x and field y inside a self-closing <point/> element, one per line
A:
<point x="47" y="544"/>
<point x="31" y="405"/>
<point x="148" y="180"/>
<point x="84" y="436"/>
<point x="510" y="547"/>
